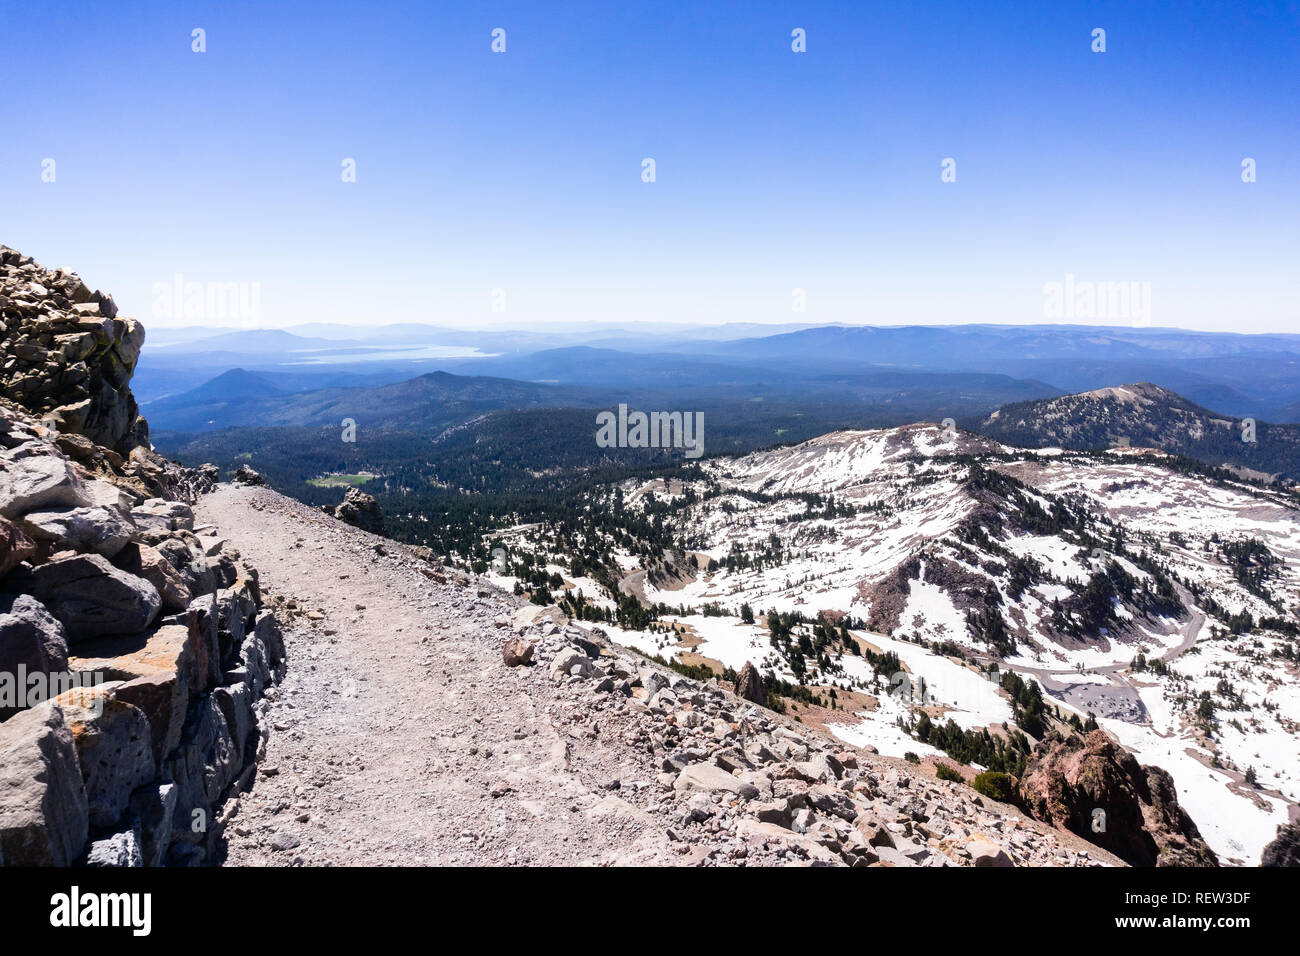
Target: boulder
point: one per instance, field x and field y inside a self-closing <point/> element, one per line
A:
<point x="360" y="510"/>
<point x="256" y="664"/>
<point x="873" y="830"/>
<point x="91" y="597"/>
<point x="123" y="849"/>
<point x="566" y="660"/>
<point x="202" y="767"/>
<point x="32" y="641"/>
<point x="162" y="515"/>
<point x="236" y="703"/>
<point x="39" y="481"/>
<point x="747" y="829"/>
<point x="247" y="476"/>
<point x="707" y="777"/>
<point x="533" y="615"/>
<point x="159" y="671"/>
<point x="268" y="630"/>
<point x="153" y="807"/>
<point x="516" y="651"/>
<point x="114" y="748"/>
<point x="1285" y="848"/>
<point x="145" y="562"/>
<point x="100" y="530"/>
<point x="987" y="853"/>
<point x="44" y="818"/>
<point x="189" y="561"/>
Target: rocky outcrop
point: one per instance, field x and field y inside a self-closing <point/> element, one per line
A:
<point x="750" y="686"/>
<point x="161" y="650"/>
<point x="44" y="816"/>
<point x="247" y="476"/>
<point x="360" y="510"/>
<point x="134" y="648"/>
<point x="32" y="642"/>
<point x="1093" y="787"/>
<point x="1285" y="848"/>
<point x="69" y="356"/>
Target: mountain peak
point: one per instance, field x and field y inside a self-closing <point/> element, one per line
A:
<point x="1146" y="415"/>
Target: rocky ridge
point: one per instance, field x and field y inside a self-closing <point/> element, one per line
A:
<point x="134" y="647"/>
<point x="68" y="356"/>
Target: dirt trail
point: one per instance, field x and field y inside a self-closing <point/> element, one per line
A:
<point x="398" y="736"/>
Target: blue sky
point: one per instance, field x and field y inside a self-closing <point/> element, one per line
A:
<point x="775" y="170"/>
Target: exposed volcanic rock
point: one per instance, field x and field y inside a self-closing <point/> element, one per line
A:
<point x="359" y="509"/>
<point x="133" y="648"/>
<point x="1285" y="848"/>
<point x="1096" y="789"/>
<point x="70" y="357"/>
<point x="247" y="476"/>
<point x="749" y="685"/>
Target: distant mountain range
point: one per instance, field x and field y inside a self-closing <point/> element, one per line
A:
<point x="1240" y="375"/>
<point x="241" y="398"/>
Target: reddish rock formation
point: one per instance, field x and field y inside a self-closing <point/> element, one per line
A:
<point x="1098" y="790"/>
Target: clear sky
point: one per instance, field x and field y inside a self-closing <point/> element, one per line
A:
<point x="775" y="170"/>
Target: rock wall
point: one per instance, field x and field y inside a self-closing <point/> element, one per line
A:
<point x="134" y="648"/>
<point x="68" y="357"/>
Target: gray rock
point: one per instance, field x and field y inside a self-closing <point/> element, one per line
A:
<point x="163" y="515"/>
<point x="987" y="853"/>
<point x="39" y="481"/>
<point x="190" y="563"/>
<point x="567" y="660"/>
<point x="120" y="849"/>
<point x="247" y="476"/>
<point x="32" y="641"/>
<point x="153" y="808"/>
<point x="890" y="856"/>
<point x="91" y="597"/>
<point x="145" y="562"/>
<point x="653" y="682"/>
<point x="706" y="777"/>
<point x="203" y="767"/>
<point x="44" y="819"/>
<point x="236" y="703"/>
<point x="268" y="630"/>
<point x="285" y="840"/>
<point x="750" y="686"/>
<point x="114" y="748"/>
<point x="101" y="530"/>
<point x="256" y="664"/>
<point x="361" y="510"/>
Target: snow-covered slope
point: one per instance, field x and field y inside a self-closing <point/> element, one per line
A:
<point x="1161" y="601"/>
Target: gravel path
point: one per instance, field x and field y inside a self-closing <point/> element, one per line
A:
<point x="398" y="736"/>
